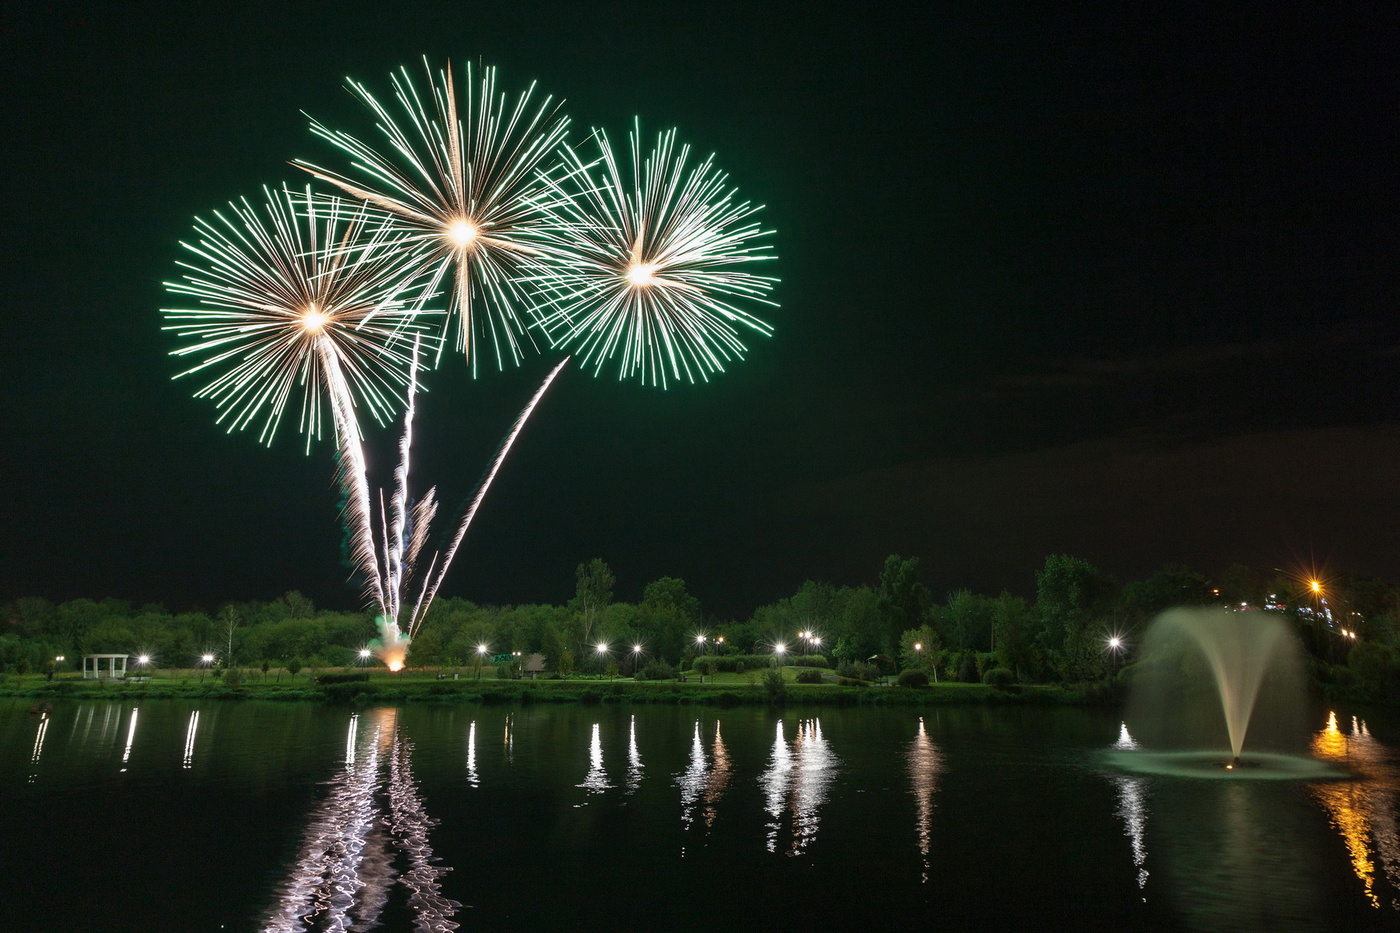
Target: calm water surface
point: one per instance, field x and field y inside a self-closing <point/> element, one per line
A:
<point x="222" y="816"/>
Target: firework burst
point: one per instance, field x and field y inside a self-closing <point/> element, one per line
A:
<point x="654" y="263"/>
<point x="305" y="298"/>
<point x="465" y="183"/>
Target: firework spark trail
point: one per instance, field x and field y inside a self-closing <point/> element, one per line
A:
<point x="652" y="263"/>
<point x="399" y="512"/>
<point x="274" y="283"/>
<point x="421" y="609"/>
<point x="352" y="476"/>
<point x="467" y="186"/>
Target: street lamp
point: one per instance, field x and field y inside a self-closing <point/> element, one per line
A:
<point x="636" y="659"/>
<point x="1115" y="647"/>
<point x="205" y="660"/>
<point x="364" y="655"/>
<point x="779" y="650"/>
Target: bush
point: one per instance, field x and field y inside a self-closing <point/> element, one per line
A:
<point x="351" y="678"/>
<point x="233" y="677"/>
<point x="344" y="692"/>
<point x="738" y="663"/>
<point x="913" y="678"/>
<point x="809" y="677"/>
<point x="849" y="682"/>
<point x="774" y="683"/>
<point x="999" y="677"/>
<point x="656" y="670"/>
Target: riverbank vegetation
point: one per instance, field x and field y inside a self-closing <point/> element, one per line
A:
<point x="1074" y="641"/>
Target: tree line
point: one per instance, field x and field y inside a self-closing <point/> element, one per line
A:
<point x="1349" y="626"/>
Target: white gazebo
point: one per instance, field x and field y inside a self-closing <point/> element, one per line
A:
<point x="104" y="666"/>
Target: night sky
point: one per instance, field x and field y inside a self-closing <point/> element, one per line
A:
<point x="1111" y="281"/>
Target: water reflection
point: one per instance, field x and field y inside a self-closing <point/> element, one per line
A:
<point x="1364" y="809"/>
<point x="596" y="780"/>
<point x="130" y="737"/>
<point x="692" y="780"/>
<point x="473" y="778"/>
<point x="190" y="731"/>
<point x="634" y="760"/>
<point x="37" y="753"/>
<point x="925" y="765"/>
<point x="343" y="877"/>
<point x="1132" y="808"/>
<point x="797" y="779"/>
<point x="718" y="780"/>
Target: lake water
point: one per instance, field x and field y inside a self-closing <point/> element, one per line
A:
<point x="165" y="815"/>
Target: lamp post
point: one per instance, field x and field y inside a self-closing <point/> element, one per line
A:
<point x="205" y="660"/>
<point x="364" y="655"/>
<point x="602" y="650"/>
<point x="636" y="659"/>
<point x="779" y="650"/>
<point x="480" y="660"/>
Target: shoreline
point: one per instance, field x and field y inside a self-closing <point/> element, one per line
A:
<point x="491" y="693"/>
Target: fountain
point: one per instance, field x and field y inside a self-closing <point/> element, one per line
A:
<point x="1202" y="666"/>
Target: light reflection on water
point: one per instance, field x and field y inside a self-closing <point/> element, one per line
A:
<point x="1132" y="808"/>
<point x="634" y="759"/>
<point x="191" y="730"/>
<point x="797" y="780"/>
<point x="345" y="872"/>
<point x="130" y="737"/>
<point x="596" y="780"/>
<point x="473" y="778"/>
<point x="1363" y="810"/>
<point x="925" y="765"/>
<point x="39" y="734"/>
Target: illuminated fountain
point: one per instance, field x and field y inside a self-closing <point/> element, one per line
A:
<point x="1204" y="668"/>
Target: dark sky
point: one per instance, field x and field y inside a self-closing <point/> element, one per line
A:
<point x="1092" y="278"/>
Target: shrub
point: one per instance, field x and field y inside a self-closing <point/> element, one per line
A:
<point x="849" y="682"/>
<point x="999" y="677"/>
<point x="847" y="670"/>
<point x="774" y="683"/>
<point x="346" y="692"/>
<point x="913" y="678"/>
<point x="656" y="669"/>
<point x="738" y="663"/>
<point x="233" y="677"/>
<point x="809" y="677"/>
<point x="351" y="678"/>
